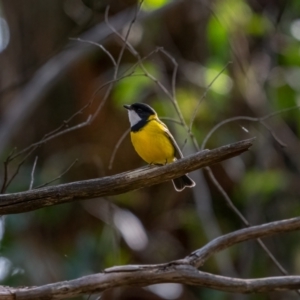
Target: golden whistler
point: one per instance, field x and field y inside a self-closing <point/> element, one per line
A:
<point x="153" y="141"/>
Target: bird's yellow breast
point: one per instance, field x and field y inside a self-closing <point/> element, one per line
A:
<point x="152" y="144"/>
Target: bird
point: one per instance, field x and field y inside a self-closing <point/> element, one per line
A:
<point x="153" y="141"/>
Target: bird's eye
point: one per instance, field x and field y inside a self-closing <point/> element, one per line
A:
<point x="139" y="110"/>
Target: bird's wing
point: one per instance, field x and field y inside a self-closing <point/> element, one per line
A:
<point x="178" y="153"/>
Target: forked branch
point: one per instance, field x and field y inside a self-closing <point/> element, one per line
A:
<point x="182" y="271"/>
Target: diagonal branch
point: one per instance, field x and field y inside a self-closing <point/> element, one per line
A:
<point x="119" y="183"/>
<point x="198" y="257"/>
<point x="182" y="271"/>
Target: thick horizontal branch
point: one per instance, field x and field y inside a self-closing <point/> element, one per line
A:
<point x="181" y="271"/>
<point x="174" y="274"/>
<point x="117" y="184"/>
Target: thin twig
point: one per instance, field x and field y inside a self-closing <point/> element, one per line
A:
<point x="243" y="219"/>
<point x="9" y="181"/>
<point x="59" y="176"/>
<point x="122" y="138"/>
<point x="205" y="94"/>
<point x="5" y="163"/>
<point x="98" y="45"/>
<point x="174" y="74"/>
<point x="251" y="119"/>
<point x="32" y="173"/>
<point x="56" y="132"/>
<point x="171" y="120"/>
<point x="117" y="65"/>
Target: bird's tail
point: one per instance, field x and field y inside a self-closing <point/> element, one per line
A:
<point x="182" y="182"/>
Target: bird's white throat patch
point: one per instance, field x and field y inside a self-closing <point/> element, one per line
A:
<point x="134" y="118"/>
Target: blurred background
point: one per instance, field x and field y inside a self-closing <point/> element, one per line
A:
<point x="45" y="78"/>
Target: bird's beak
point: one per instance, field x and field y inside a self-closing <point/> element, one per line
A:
<point x="127" y="107"/>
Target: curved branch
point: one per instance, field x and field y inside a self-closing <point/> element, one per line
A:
<point x="173" y="274"/>
<point x="117" y="184"/>
<point x="198" y="257"/>
<point x="180" y="271"/>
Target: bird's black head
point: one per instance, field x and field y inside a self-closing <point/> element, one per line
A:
<point x="141" y="109"/>
<point x="139" y="113"/>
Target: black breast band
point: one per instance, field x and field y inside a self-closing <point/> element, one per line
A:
<point x="138" y="126"/>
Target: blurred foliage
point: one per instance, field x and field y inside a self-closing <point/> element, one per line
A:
<point x="260" y="39"/>
<point x="262" y="184"/>
<point x="130" y="88"/>
<point x="154" y="4"/>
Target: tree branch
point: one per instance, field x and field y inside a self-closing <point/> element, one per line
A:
<point x="198" y="257"/>
<point x="182" y="271"/>
<point x="119" y="183"/>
